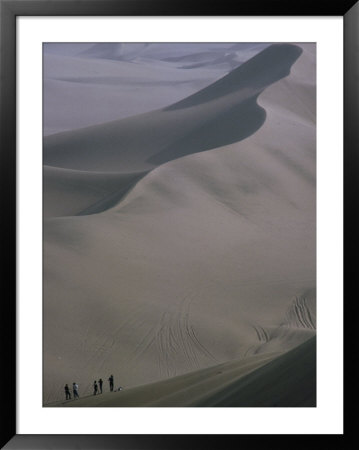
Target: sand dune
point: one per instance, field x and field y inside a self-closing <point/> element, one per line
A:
<point x="268" y="381"/>
<point x="84" y="87"/>
<point x="220" y="114"/>
<point x="184" y="239"/>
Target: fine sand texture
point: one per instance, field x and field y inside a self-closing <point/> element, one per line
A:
<point x="179" y="242"/>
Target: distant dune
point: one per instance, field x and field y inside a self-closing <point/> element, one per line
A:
<point x="180" y="243"/>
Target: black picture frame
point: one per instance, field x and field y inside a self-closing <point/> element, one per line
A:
<point x="9" y="10"/>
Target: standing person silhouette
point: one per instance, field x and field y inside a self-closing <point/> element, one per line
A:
<point x="67" y="392"/>
<point x="75" y="390"/>
<point x="95" y="388"/>
<point x="100" y="384"/>
<point x="111" y="382"/>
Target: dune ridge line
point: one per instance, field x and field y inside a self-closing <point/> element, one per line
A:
<point x="222" y="113"/>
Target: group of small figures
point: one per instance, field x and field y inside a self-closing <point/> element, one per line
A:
<point x="97" y="388"/>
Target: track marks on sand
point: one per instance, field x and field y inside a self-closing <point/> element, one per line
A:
<point x="262" y="333"/>
<point x="299" y="324"/>
<point x="177" y="342"/>
<point x="171" y="342"/>
<point x="299" y="314"/>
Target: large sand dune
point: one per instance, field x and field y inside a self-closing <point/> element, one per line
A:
<point x="183" y="239"/>
<point x="222" y="113"/>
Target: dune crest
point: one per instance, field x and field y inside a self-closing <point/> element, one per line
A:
<point x="264" y="69"/>
<point x="140" y="143"/>
<point x="220" y="114"/>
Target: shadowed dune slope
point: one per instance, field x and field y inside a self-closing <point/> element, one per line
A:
<point x="142" y="142"/>
<point x="269" y="66"/>
<point x="287" y="381"/>
<point x="70" y="192"/>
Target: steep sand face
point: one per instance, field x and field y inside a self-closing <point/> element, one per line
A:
<point x="207" y="259"/>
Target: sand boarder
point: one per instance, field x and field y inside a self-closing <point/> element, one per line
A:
<point x="111" y="382"/>
<point x="75" y="390"/>
<point x="67" y="392"/>
<point x="95" y="388"/>
<point x="100" y="384"/>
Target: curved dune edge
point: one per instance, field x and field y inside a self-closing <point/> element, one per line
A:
<point x="70" y="192"/>
<point x="129" y="144"/>
<point x="271" y="380"/>
<point x="220" y="114"/>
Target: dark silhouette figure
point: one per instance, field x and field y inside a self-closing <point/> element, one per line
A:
<point x="111" y="382"/>
<point x="75" y="390"/>
<point x="67" y="392"/>
<point x="100" y="384"/>
<point x="95" y="388"/>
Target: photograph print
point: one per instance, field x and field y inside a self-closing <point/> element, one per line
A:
<point x="179" y="224"/>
